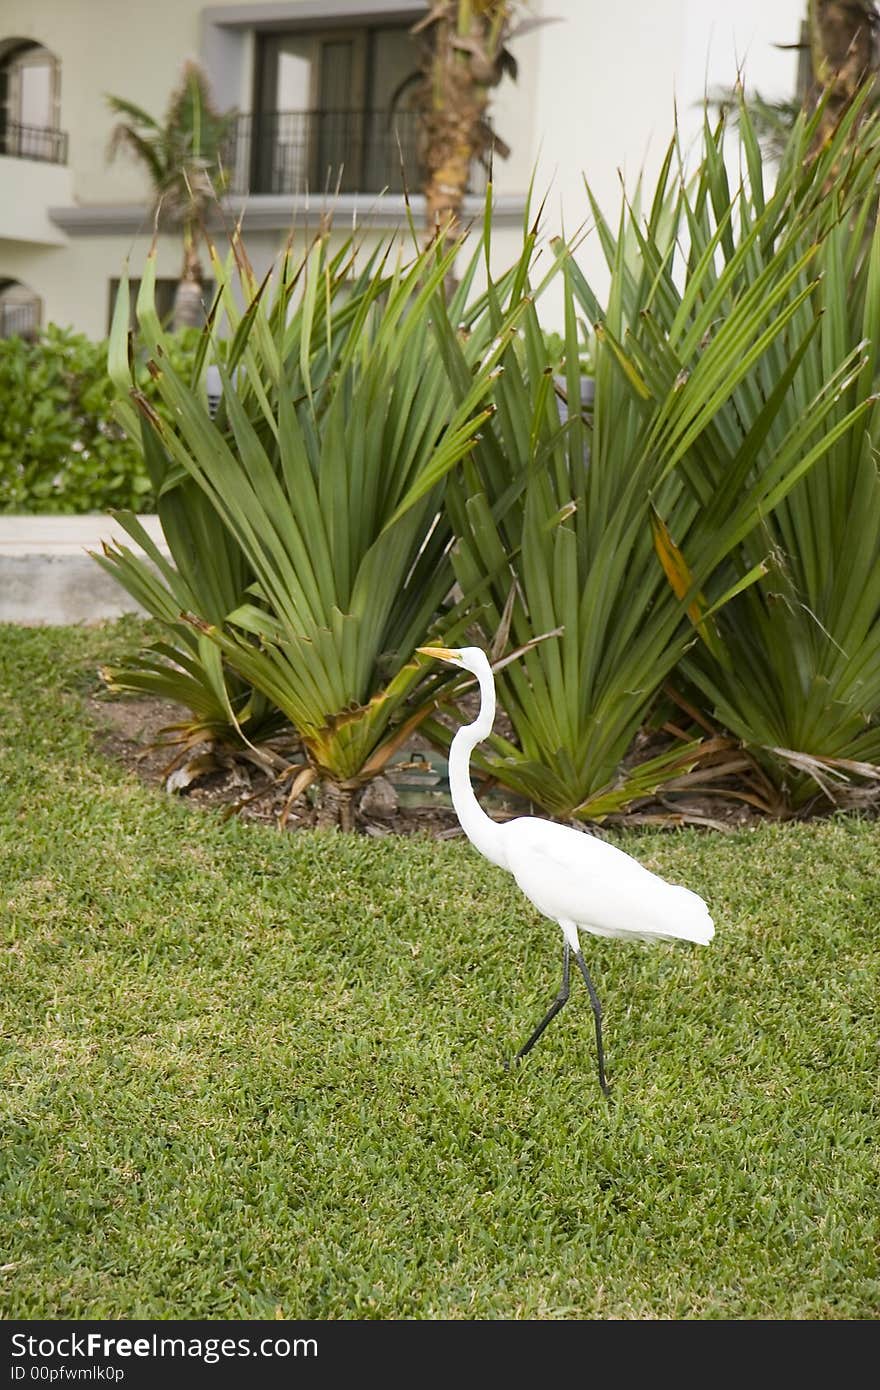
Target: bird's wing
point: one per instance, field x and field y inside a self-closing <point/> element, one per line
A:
<point x="574" y="877"/>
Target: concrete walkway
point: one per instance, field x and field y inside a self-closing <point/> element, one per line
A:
<point x="47" y="576"/>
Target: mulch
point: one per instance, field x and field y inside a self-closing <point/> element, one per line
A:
<point x="412" y="800"/>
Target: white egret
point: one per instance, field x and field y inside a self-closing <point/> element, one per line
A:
<point x="576" y="879"/>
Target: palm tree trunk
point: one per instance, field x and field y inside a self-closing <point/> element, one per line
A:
<point x="448" y="132"/>
<point x="189" y="311"/>
<point x="843" y="51"/>
<point x="464" y="62"/>
<point x="448" y="160"/>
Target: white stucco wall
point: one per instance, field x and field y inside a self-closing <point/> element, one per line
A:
<point x="29" y="188"/>
<point x="610" y="77"/>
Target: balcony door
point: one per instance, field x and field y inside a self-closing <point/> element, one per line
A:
<point x="310" y="98"/>
<point x="322" y="110"/>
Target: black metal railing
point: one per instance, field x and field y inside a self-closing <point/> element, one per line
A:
<point x="348" y="151"/>
<point x="19" y="320"/>
<point x="33" y="142"/>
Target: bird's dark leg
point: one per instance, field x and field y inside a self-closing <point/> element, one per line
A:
<point x="557" y="1004"/>
<point x="597" y="1014"/>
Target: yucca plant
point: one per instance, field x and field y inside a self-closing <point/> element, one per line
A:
<point x="585" y="533"/>
<point x="209" y="574"/>
<point x="331" y="486"/>
<point x="793" y="667"/>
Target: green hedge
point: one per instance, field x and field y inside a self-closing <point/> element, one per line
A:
<point x="61" y="449"/>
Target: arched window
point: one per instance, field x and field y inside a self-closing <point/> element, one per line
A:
<point x="20" y="311"/>
<point x="30" y="92"/>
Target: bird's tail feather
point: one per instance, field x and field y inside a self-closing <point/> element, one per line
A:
<point x="691" y="916"/>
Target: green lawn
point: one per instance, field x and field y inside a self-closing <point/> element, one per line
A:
<point x="247" y="1072"/>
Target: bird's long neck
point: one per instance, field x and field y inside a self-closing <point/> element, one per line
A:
<point x="480" y="829"/>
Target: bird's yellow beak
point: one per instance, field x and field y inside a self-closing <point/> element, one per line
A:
<point x="443" y="653"/>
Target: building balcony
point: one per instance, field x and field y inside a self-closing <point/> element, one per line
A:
<point x="31" y="186"/>
<point x="332" y="152"/>
<point x="33" y="142"/>
<point x="277" y="162"/>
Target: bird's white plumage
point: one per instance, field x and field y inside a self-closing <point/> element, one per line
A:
<point x="573" y="877"/>
<point x="579" y="881"/>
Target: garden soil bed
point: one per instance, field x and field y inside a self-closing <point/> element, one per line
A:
<point x="130" y="731"/>
<point x="414" y="801"/>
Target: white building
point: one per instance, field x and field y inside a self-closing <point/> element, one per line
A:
<point x="312" y="80"/>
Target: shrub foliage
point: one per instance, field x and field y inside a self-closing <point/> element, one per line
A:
<point x="61" y="448"/>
